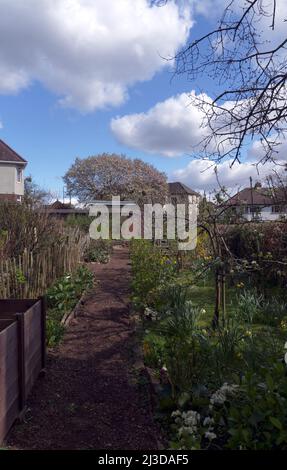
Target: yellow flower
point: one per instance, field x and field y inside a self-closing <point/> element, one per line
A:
<point x="146" y="348"/>
<point x="240" y="285"/>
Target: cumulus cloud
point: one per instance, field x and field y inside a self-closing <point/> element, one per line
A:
<point x="87" y="51"/>
<point x="201" y="175"/>
<point x="171" y="128"/>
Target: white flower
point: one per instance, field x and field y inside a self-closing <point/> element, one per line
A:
<point x="220" y="396"/>
<point x="150" y="313"/>
<point x="210" y="435"/>
<point x="208" y="421"/>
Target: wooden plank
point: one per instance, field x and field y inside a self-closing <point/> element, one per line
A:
<point x="33" y="345"/>
<point x="9" y="386"/>
<point x="43" y="330"/>
<point x="21" y="361"/>
<point x="16" y="305"/>
<point x="4" y="323"/>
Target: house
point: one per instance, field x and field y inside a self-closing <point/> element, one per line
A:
<point x="179" y="193"/>
<point x="60" y="209"/>
<point x="260" y="203"/>
<point x="11" y="174"/>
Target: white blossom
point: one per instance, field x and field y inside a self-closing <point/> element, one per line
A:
<point x="220" y="396"/>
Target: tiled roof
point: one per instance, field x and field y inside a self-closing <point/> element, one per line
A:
<point x="180" y="188"/>
<point x="9" y="155"/>
<point x="258" y="196"/>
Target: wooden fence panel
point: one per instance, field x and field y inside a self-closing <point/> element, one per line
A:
<point x="29" y="275"/>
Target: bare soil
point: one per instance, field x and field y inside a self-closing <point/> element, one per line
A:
<point x="90" y="397"/>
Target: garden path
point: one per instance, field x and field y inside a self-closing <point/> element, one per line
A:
<point x="90" y="398"/>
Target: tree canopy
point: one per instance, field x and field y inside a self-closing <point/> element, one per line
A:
<point x="106" y="175"/>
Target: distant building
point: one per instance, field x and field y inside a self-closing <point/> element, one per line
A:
<point x="260" y="203"/>
<point x="11" y="174"/>
<point x="58" y="208"/>
<point x="179" y="193"/>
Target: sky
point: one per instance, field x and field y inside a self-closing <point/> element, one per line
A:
<point x="83" y="77"/>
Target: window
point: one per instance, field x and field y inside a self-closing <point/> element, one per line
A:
<point x="19" y="175"/>
<point x="276" y="209"/>
<point x="19" y="198"/>
<point x="255" y="209"/>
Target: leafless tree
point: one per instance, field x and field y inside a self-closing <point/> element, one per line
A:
<point x="245" y="56"/>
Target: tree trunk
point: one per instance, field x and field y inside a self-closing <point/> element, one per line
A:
<point x="215" y="320"/>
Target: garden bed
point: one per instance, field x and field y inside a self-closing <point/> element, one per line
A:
<point x="218" y="386"/>
<point x="22" y="355"/>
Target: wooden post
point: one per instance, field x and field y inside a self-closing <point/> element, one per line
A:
<point x="223" y="296"/>
<point x="43" y="331"/>
<point x="21" y="362"/>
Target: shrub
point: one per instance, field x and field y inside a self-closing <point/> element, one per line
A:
<point x="62" y="297"/>
<point x="98" y="251"/>
<point x="257" y="418"/>
<point x="152" y="270"/>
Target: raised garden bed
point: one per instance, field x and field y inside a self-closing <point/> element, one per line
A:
<point x="22" y="356"/>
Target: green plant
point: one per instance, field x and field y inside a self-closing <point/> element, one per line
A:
<point x="64" y="293"/>
<point x="98" y="251"/>
<point x="152" y="271"/>
<point x="272" y="312"/>
<point x="62" y="297"/>
<point x="257" y="417"/>
<point x="54" y="331"/>
<point x="184" y="341"/>
<point x="248" y="305"/>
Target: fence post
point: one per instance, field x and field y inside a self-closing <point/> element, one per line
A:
<point x="21" y="362"/>
<point x="43" y="330"/>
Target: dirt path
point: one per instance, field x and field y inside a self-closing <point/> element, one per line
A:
<point x="89" y="397"/>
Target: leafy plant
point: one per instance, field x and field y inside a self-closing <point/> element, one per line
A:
<point x="258" y="416"/>
<point x="98" y="251"/>
<point x="62" y="297"/>
<point x="152" y="271"/>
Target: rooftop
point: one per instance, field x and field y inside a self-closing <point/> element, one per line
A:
<point x="258" y="196"/>
<point x="9" y="155"/>
<point x="180" y="188"/>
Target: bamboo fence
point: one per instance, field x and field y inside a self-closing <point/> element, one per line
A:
<point x="29" y="275"/>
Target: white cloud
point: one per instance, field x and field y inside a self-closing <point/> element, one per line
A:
<point x="256" y="152"/>
<point x="171" y="128"/>
<point x="200" y="174"/>
<point x="87" y="51"/>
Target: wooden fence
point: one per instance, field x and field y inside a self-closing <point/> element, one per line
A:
<point x="22" y="356"/>
<point x="29" y="275"/>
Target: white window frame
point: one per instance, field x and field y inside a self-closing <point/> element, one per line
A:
<point x="19" y="175"/>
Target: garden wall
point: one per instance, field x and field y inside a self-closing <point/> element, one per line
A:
<point x="22" y="356"/>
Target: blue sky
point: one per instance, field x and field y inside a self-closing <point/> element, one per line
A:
<point x="39" y="71"/>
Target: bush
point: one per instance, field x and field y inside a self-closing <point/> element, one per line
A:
<point x="62" y="297"/>
<point x="257" y="417"/>
<point x="98" y="251"/>
<point x="152" y="271"/>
